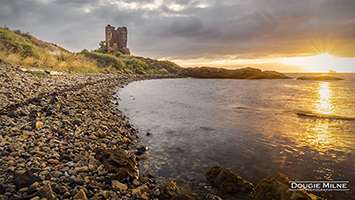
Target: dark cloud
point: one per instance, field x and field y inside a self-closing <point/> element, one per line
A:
<point x="188" y="29"/>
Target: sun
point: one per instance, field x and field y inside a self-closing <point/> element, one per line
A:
<point x="322" y="63"/>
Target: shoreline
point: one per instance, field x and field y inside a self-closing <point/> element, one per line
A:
<point x="51" y="131"/>
<point x="59" y="135"/>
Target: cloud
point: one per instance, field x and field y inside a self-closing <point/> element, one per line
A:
<point x="192" y="29"/>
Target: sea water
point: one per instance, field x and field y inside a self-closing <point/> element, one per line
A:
<point x="304" y="129"/>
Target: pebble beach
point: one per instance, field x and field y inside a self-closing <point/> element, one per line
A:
<point x="62" y="138"/>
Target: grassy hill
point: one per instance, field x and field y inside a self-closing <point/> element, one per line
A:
<point x="21" y="48"/>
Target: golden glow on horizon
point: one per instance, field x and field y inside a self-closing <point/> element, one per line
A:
<point x="322" y="63"/>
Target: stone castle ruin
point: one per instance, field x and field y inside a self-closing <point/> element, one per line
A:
<point x="116" y="40"/>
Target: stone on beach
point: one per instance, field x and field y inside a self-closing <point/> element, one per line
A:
<point x="46" y="192"/>
<point x="169" y="189"/>
<point x="122" y="187"/>
<point x="81" y="195"/>
<point x="118" y="162"/>
<point x="26" y="179"/>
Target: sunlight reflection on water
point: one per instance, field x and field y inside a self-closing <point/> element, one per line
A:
<point x="322" y="133"/>
<point x="324" y="103"/>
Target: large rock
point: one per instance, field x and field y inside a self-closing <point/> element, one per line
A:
<point x="122" y="187"/>
<point x="136" y="192"/>
<point x="228" y="181"/>
<point x="46" y="192"/>
<point x="169" y="189"/>
<point x="118" y="162"/>
<point x="277" y="186"/>
<point x="81" y="195"/>
<point x="26" y="179"/>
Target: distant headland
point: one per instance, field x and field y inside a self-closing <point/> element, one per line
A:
<point x="243" y="73"/>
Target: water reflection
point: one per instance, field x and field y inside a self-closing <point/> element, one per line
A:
<point x="324" y="103"/>
<point x="321" y="134"/>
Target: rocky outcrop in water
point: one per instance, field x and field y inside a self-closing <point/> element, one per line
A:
<point x="228" y="181"/>
<point x="244" y="73"/>
<point x="169" y="189"/>
<point x="277" y="186"/>
<point x="321" y="78"/>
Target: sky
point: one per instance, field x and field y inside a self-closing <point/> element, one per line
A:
<point x="267" y="34"/>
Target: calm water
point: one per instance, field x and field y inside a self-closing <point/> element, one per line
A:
<point x="248" y="126"/>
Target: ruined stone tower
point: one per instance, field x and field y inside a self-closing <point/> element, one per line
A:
<point x="116" y="40"/>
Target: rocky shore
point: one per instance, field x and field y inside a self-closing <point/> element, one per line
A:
<point x="61" y="138"/>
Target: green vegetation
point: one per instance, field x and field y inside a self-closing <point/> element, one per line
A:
<point x="102" y="47"/>
<point x="21" y="48"/>
<point x="39" y="74"/>
<point x="104" y="60"/>
<point x="134" y="65"/>
<point x="36" y="79"/>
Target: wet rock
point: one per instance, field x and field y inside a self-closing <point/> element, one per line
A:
<point x="277" y="186"/>
<point x="118" y="162"/>
<point x="136" y="192"/>
<point x="53" y="161"/>
<point x="82" y="169"/>
<point x="58" y="174"/>
<point x="228" y="181"/>
<point x="66" y="195"/>
<point x="107" y="180"/>
<point x="76" y="122"/>
<point x="46" y="192"/>
<point x="213" y="197"/>
<point x="26" y="179"/>
<point x="2" y="189"/>
<point x="37" y="124"/>
<point x="182" y="197"/>
<point x="169" y="189"/>
<point x="62" y="189"/>
<point x="135" y="182"/>
<point x="31" y="190"/>
<point x="100" y="133"/>
<point x="157" y="193"/>
<point x="50" y="112"/>
<point x="12" y="114"/>
<point x="141" y="150"/>
<point x="81" y="195"/>
<point x="35" y="113"/>
<point x="122" y="187"/>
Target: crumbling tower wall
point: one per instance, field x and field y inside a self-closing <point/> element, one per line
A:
<point x="116" y="40"/>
